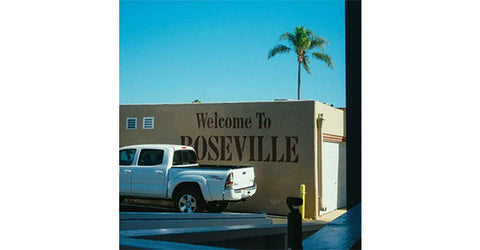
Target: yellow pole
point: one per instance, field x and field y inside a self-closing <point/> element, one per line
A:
<point x="302" y="194"/>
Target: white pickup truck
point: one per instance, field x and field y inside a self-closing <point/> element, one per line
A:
<point x="171" y="172"/>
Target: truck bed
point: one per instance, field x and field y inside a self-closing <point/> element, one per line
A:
<point x="223" y="166"/>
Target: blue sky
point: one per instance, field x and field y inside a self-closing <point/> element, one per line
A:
<point x="216" y="51"/>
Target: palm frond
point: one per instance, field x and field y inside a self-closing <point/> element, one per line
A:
<point x="299" y="37"/>
<point x="305" y="62"/>
<point x="279" y="49"/>
<point x="289" y="36"/>
<point x="311" y="35"/>
<point x="319" y="42"/>
<point x="323" y="57"/>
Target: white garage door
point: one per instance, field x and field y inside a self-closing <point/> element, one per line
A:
<point x="334" y="176"/>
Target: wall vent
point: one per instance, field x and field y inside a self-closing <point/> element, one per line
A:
<point x="148" y="122"/>
<point x="131" y="123"/>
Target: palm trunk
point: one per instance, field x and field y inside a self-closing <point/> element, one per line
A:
<point x="299" y="80"/>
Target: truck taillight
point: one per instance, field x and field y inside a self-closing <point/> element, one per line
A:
<point x="229" y="181"/>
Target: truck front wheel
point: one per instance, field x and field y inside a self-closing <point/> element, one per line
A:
<point x="189" y="201"/>
<point x="217" y="207"/>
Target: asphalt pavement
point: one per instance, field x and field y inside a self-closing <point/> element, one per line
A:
<point x="140" y="205"/>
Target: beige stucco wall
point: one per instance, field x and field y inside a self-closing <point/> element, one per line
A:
<point x="277" y="138"/>
<point x="333" y="119"/>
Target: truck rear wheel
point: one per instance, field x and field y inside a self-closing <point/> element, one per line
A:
<point x="217" y="207"/>
<point x="189" y="201"/>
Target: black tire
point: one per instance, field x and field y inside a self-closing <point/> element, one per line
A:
<point x="189" y="201"/>
<point x="217" y="206"/>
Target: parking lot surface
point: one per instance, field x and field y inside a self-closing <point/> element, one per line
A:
<point x="139" y="205"/>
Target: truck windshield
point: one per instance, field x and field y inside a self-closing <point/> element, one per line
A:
<point x="184" y="157"/>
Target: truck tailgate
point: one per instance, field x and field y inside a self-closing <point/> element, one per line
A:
<point x="243" y="177"/>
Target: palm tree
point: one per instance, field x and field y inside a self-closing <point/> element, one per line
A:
<point x="303" y="41"/>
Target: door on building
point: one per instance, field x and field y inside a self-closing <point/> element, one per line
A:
<point x="334" y="192"/>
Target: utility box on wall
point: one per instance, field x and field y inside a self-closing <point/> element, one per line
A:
<point x="288" y="142"/>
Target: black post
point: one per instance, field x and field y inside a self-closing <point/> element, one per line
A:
<point x="294" y="223"/>
<point x="353" y="26"/>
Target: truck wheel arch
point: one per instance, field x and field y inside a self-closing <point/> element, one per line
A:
<point x="185" y="186"/>
<point x="201" y="184"/>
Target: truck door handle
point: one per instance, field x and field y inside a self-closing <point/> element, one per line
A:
<point x="158" y="172"/>
<point x="127" y="171"/>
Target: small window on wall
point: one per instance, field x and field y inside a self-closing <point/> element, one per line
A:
<point x="131" y="123"/>
<point x="148" y="122"/>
